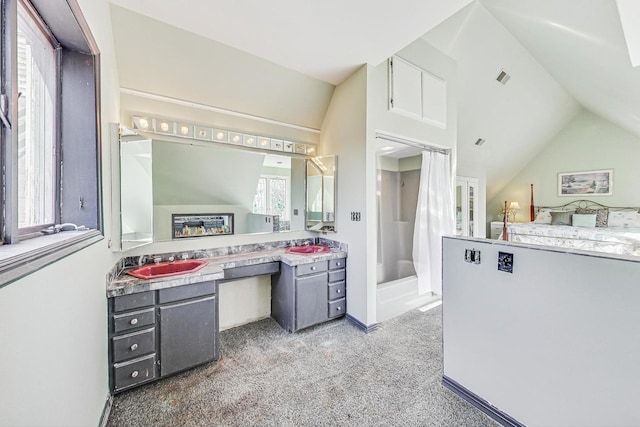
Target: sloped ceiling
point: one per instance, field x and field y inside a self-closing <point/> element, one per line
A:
<point x="326" y="39"/>
<point x="561" y="55"/>
<point x="582" y="45"/>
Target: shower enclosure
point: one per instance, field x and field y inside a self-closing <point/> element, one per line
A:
<point x="397" y="198"/>
<point x="398" y="184"/>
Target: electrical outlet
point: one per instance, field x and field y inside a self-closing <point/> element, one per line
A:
<point x="472" y="256"/>
<point x="468" y="255"/>
<point x="475" y="256"/>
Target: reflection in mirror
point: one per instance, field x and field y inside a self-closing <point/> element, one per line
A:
<point x="255" y="187"/>
<point x="264" y="192"/>
<point x="136" y="190"/>
<point x="320" y="199"/>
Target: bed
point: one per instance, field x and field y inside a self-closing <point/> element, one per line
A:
<point x="584" y="225"/>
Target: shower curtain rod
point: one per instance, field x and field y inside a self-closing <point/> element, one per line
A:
<point x="412" y="143"/>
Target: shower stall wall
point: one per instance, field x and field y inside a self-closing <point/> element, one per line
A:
<point x="397" y="200"/>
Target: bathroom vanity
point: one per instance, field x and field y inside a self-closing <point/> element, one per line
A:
<point x="308" y="294"/>
<point x="162" y="326"/>
<point x="180" y="323"/>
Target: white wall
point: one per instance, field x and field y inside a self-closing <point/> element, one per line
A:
<point x="551" y="346"/>
<point x="589" y="142"/>
<point x="53" y="323"/>
<point x="343" y="134"/>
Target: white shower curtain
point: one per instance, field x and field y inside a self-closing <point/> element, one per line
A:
<point x="434" y="218"/>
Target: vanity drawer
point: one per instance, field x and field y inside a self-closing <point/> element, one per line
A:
<point x="336" y="291"/>
<point x="337" y="275"/>
<point x="133" y="345"/>
<point x="131" y="301"/>
<point x="137" y="319"/>
<point x="133" y="372"/>
<point x="315" y="267"/>
<point x="251" y="270"/>
<point x="337" y="308"/>
<point x="335" y="264"/>
<point x="186" y="292"/>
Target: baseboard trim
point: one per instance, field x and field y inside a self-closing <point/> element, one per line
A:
<point x="106" y="411"/>
<point x="358" y="324"/>
<point x="493" y="412"/>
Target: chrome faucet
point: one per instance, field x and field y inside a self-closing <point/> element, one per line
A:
<point x="142" y="260"/>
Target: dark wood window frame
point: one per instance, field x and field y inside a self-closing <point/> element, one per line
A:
<point x="78" y="184"/>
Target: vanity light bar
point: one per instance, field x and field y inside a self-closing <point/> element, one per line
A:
<point x="204" y="133"/>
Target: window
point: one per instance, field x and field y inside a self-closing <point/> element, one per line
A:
<point x="49" y="133"/>
<point x="272" y="197"/>
<point x="37" y="100"/>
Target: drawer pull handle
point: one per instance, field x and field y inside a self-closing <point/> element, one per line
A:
<point x="338" y="264"/>
<point x="338" y="291"/>
<point x="134" y="321"/>
<point x="134" y="347"/>
<point x="134" y="374"/>
<point x="339" y="308"/>
<point x="313" y="268"/>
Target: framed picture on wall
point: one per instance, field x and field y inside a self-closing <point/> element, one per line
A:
<point x="587" y="183"/>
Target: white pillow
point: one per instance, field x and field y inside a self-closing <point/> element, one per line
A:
<point x="543" y="217"/>
<point x="623" y="220"/>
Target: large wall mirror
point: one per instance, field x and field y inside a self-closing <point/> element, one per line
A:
<point x="321" y="193"/>
<point x="164" y="178"/>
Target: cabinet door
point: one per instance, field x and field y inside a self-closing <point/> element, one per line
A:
<point x="188" y="334"/>
<point x="311" y="300"/>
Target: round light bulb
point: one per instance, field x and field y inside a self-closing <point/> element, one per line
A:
<point x="143" y="123"/>
<point x="184" y="130"/>
<point x="236" y="138"/>
<point x="164" y="126"/>
<point x="220" y="136"/>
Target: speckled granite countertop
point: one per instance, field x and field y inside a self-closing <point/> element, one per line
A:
<point x="214" y="270"/>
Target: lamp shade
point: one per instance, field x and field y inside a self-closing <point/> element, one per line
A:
<point x="514" y="206"/>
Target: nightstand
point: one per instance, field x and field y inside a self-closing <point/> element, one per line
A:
<point x="496" y="229"/>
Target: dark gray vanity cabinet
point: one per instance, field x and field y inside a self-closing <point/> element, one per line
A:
<point x="157" y="333"/>
<point x="308" y="294"/>
<point x="132" y="340"/>
<point x="188" y="326"/>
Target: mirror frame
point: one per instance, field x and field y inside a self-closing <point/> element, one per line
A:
<point x="322" y="225"/>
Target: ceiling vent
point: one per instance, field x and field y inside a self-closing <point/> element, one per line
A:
<point x="503" y="77"/>
<point x="479" y="142"/>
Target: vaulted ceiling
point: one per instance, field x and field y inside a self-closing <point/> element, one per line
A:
<point x="562" y="55"/>
<point x="326" y="39"/>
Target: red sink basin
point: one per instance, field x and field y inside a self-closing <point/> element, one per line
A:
<point x="165" y="269"/>
<point x="309" y="249"/>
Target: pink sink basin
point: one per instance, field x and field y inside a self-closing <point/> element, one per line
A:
<point x="165" y="269"/>
<point x="309" y="249"/>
